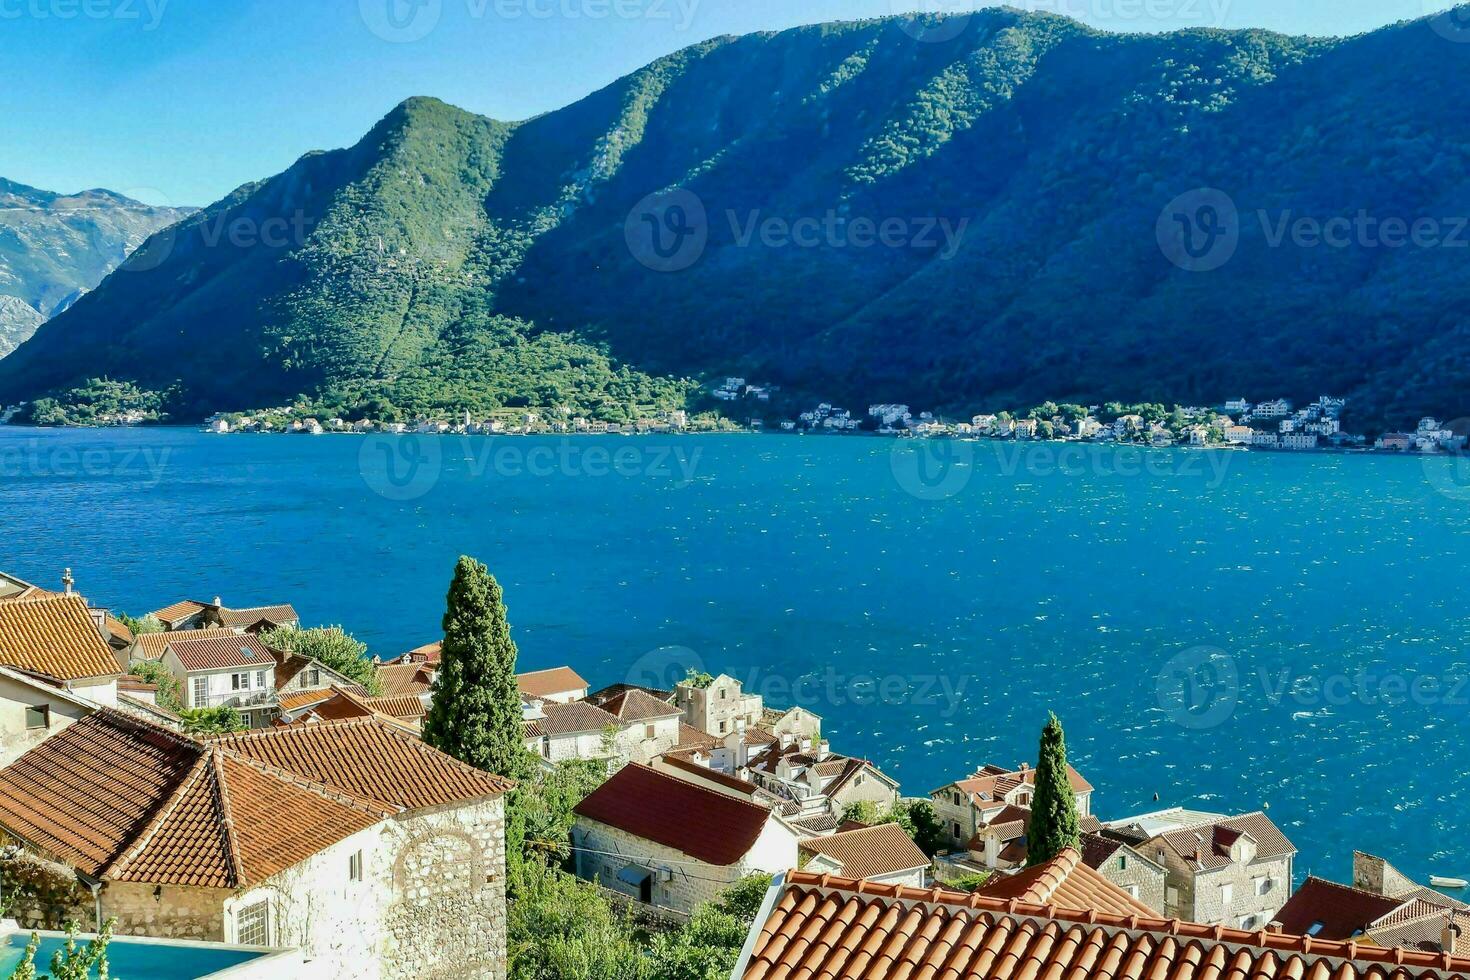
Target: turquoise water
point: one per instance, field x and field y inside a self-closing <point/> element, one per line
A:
<point x="135" y="961"/>
<point x="932" y="616"/>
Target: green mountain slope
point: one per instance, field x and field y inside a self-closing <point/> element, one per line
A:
<point x="1023" y="168"/>
<point x="55" y="247"/>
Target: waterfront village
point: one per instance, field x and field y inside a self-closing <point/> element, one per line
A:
<point x="1237" y="424"/>
<point x="221" y="773"/>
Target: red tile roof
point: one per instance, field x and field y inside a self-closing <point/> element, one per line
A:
<point x="990" y="784"/>
<point x="123" y="799"/>
<point x="1207" y="845"/>
<point x="545" y="683"/>
<point x="1343" y="912"/>
<point x="577" y="718"/>
<point x="150" y="645"/>
<point x="371" y="759"/>
<point x="405" y="678"/>
<point x="1067" y="882"/>
<point x="220" y="652"/>
<point x="870" y="852"/>
<point x="279" y="615"/>
<point x="703" y="823"/>
<point x="826" y="928"/>
<point x="633" y="706"/>
<point x="178" y="611"/>
<point x="56" y="637"/>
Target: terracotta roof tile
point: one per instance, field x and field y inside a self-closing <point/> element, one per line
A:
<point x="840" y="929"/>
<point x="545" y="683"/>
<point x="279" y="615"/>
<point x="178" y="611"/>
<point x="705" y="824"/>
<point x="1207" y="845"/>
<point x="634" y="706"/>
<point x="577" y="718"/>
<point x="371" y="759"/>
<point x="1067" y="882"/>
<point x="220" y="652"/>
<point x="870" y="852"/>
<point x="1339" y="912"/>
<point x="123" y="799"/>
<point x="150" y="645"/>
<point x="405" y="678"/>
<point x="56" y="637"/>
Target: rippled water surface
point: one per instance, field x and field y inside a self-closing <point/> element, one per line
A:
<point x="1307" y="613"/>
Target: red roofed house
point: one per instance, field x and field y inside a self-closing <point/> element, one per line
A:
<point x="59" y="669"/>
<point x="233" y="671"/>
<point x="560" y="684"/>
<point x="674" y="844"/>
<point x="277" y="838"/>
<point x="1234" y="871"/>
<point x="996" y="795"/>
<point x="883" y="854"/>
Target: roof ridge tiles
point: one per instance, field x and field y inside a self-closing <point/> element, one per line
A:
<point x="1272" y="942"/>
<point x="227" y="821"/>
<point x="155" y="822"/>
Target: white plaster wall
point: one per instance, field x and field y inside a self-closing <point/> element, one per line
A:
<point x="15" y="697"/>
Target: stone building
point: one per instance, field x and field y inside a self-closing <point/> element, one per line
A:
<point x="995" y="795"/>
<point x="1125" y="867"/>
<point x="884" y="854"/>
<point x="376" y="856"/>
<point x="719" y="708"/>
<point x="667" y="842"/>
<point x="1232" y="871"/>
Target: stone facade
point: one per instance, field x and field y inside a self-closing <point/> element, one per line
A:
<point x="720" y="708"/>
<point x="679" y="882"/>
<point x="1136" y="875"/>
<point x="420" y="896"/>
<point x="1244" y="895"/>
<point x="644" y="741"/>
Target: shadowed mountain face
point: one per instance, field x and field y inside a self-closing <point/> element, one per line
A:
<point x="55" y="247"/>
<point x="994" y="212"/>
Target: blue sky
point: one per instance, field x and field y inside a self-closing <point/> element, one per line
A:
<point x="180" y="101"/>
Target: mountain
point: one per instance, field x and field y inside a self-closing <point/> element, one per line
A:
<point x="55" y="247"/>
<point x="1031" y="179"/>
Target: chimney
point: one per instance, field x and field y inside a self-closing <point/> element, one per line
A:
<point x="67" y="582"/>
<point x="823" y="747"/>
<point x="219" y="602"/>
<point x="1449" y="936"/>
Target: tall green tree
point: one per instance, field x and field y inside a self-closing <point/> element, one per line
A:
<point x="476" y="712"/>
<point x="1054" y="824"/>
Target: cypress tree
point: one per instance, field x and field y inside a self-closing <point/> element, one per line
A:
<point x="1054" y="824"/>
<point x="476" y="712"/>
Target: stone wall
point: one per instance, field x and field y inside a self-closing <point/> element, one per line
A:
<point x="1373" y="874"/>
<point x="1138" y="877"/>
<point x="41" y="894"/>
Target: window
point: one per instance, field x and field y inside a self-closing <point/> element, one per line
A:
<point x="1132" y="890"/>
<point x="311" y="678"/>
<point x="722" y="728"/>
<point x="1316" y="927"/>
<point x="957" y="834"/>
<point x="1123" y="864"/>
<point x="252" y="925"/>
<point x="1227" y="894"/>
<point x="1171" y="895"/>
<point x="200" y="687"/>
<point x="38" y="717"/>
<point x="956" y="797"/>
<point x="240" y="682"/>
<point x="260" y="679"/>
<point x="649" y="731"/>
<point x="1264" y="886"/>
<point x="354" y="867"/>
<point x="722" y="694"/>
<point x="1250" y="922"/>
